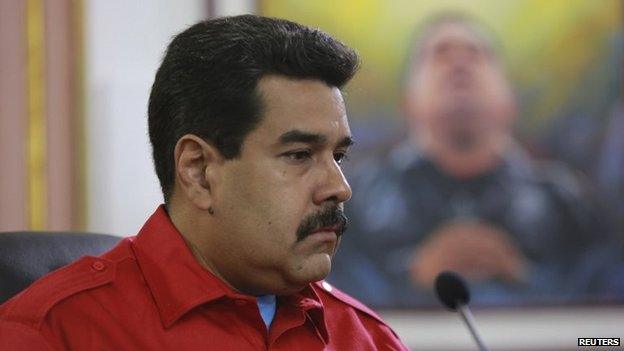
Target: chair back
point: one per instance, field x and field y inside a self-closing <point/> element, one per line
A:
<point x="27" y="256"/>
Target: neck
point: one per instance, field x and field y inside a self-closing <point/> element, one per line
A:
<point x="200" y="235"/>
<point x="187" y="223"/>
<point x="465" y="163"/>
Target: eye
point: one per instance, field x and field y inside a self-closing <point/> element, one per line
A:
<point x="442" y="50"/>
<point x="341" y="157"/>
<point x="298" y="156"/>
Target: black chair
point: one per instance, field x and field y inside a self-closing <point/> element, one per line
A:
<point x="27" y="256"/>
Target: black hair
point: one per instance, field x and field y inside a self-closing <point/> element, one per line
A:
<point x="206" y="84"/>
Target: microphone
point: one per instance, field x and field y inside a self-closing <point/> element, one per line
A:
<point x="453" y="292"/>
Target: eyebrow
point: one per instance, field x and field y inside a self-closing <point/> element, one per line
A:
<point x="298" y="136"/>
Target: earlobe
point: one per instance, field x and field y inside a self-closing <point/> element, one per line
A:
<point x="194" y="161"/>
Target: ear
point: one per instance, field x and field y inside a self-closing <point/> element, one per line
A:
<point x="197" y="163"/>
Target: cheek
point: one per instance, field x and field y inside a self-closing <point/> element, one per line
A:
<point x="261" y="204"/>
<point x="500" y="104"/>
<point x="430" y="95"/>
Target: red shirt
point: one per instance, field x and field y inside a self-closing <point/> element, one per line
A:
<point x="150" y="293"/>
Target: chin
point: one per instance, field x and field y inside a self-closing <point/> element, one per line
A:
<point x="321" y="274"/>
<point x="314" y="268"/>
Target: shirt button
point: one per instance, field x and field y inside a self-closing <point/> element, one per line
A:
<point x="98" y="266"/>
<point x="240" y="302"/>
<point x="326" y="286"/>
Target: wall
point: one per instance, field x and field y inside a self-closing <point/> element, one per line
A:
<point x="124" y="43"/>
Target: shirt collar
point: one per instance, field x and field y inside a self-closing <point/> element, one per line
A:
<point x="408" y="156"/>
<point x="310" y="303"/>
<point x="179" y="283"/>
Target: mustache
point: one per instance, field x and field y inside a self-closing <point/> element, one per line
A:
<point x="328" y="217"/>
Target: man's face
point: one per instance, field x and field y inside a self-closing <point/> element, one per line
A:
<point x="458" y="92"/>
<point x="280" y="203"/>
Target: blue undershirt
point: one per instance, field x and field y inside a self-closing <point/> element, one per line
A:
<point x="267" y="306"/>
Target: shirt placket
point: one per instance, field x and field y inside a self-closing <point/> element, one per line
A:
<point x="246" y="316"/>
<point x="292" y="317"/>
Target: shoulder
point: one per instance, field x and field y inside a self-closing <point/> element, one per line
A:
<point x="373" y="177"/>
<point x="335" y="300"/>
<point x="554" y="177"/>
<point x="563" y="180"/>
<point x="342" y="299"/>
<point x="345" y="311"/>
<point x="30" y="307"/>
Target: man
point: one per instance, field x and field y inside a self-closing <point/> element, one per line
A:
<point x="248" y="128"/>
<point x="460" y="194"/>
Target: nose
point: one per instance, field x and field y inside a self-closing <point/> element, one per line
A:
<point x="332" y="186"/>
<point x="465" y="55"/>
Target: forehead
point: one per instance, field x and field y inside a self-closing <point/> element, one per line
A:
<point x="453" y="33"/>
<point x="308" y="105"/>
